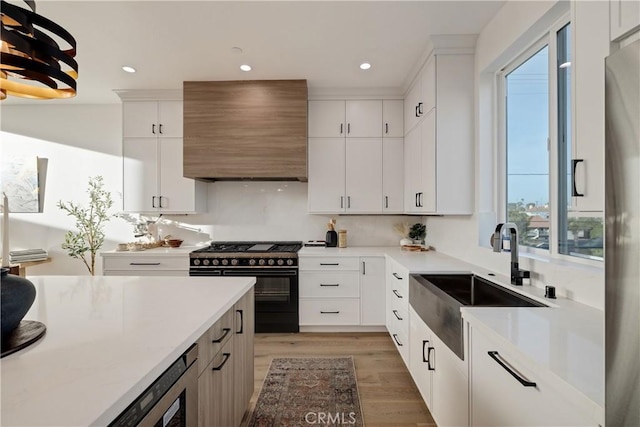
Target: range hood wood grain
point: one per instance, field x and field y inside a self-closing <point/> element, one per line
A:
<point x="249" y="129"/>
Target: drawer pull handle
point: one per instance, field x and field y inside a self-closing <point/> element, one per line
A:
<point x="525" y="382"/>
<point x="329" y="312"/>
<point x="225" y="332"/>
<point x="226" y="357"/>
<point x="425" y="359"/>
<point x="396" y="276"/>
<point x="429" y="367"/>
<point x="329" y="263"/>
<point x="329" y="284"/>
<point x="397" y="294"/>
<point x="144" y="263"/>
<point x="395" y="338"/>
<point x="397" y="315"/>
<point x="241" y="312"/>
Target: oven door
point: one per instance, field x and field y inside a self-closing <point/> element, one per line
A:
<point x="276" y="298"/>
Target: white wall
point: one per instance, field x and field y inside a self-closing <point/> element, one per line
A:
<point x="515" y="26"/>
<point x="85" y="140"/>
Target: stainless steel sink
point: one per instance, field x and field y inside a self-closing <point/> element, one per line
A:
<point x="437" y="298"/>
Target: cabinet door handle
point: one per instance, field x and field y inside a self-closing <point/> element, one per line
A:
<point x="364" y="268"/>
<point x="395" y="338"/>
<point x="397" y="294"/>
<point x="144" y="263"/>
<point x="417" y="115"/>
<point x="420" y="108"/>
<point x="525" y="382"/>
<point x="341" y="128"/>
<point x="153" y="128"/>
<point x="574" y="190"/>
<point x="417" y="200"/>
<point x="341" y="202"/>
<point x="429" y="350"/>
<point x="348" y="128"/>
<point x="160" y="200"/>
<point x="226" y="357"/>
<point x="225" y="332"/>
<point x="397" y="315"/>
<point x="330" y="284"/>
<point x="386" y="202"/>
<point x="425" y="359"/>
<point x="329" y="312"/>
<point x="329" y="263"/>
<point x="420" y="200"/>
<point x="348" y="202"/>
<point x="153" y="201"/>
<point x="160" y="128"/>
<point x="386" y="128"/>
<point x="396" y="276"/>
<point x="241" y="313"/>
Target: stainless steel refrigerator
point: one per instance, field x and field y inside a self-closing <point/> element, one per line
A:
<point x="622" y="229"/>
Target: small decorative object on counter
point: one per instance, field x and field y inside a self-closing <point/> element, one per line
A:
<point x="332" y="236"/>
<point x="417" y="233"/>
<point x="342" y="238"/>
<point x="402" y="229"/>
<point x="550" y="292"/>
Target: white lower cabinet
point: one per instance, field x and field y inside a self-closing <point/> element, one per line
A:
<point x="440" y="375"/>
<point x="342" y="291"/>
<point x="144" y="265"/>
<point x="506" y="391"/>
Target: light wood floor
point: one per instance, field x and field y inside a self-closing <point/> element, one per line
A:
<point x="387" y="393"/>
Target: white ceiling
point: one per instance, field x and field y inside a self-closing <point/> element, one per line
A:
<point x="169" y="42"/>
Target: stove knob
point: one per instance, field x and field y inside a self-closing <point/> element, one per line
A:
<point x="280" y="262"/>
<point x="261" y="262"/>
<point x="196" y="262"/>
<point x="271" y="262"/>
<point x="289" y="262"/>
<point x="252" y="262"/>
<point x="225" y="261"/>
<point x="234" y="262"/>
<point x="206" y="262"/>
<point x="215" y="262"/>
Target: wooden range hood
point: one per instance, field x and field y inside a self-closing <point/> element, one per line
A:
<point x="248" y="129"/>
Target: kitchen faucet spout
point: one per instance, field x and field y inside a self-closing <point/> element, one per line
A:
<point x="516" y="273"/>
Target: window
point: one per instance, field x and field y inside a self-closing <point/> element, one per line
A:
<point x="539" y="153"/>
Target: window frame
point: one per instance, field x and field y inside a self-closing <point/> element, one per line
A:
<point x="547" y="38"/>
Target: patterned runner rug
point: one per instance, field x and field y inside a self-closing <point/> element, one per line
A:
<point x="309" y="391"/>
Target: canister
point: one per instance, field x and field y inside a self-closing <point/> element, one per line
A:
<point x="342" y="238"/>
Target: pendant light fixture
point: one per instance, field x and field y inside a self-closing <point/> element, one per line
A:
<point x="33" y="65"/>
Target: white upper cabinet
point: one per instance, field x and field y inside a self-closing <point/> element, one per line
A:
<point x="625" y="18"/>
<point x="153" y="181"/>
<point x="392" y="175"/>
<point x="349" y="119"/>
<point x="439" y="150"/>
<point x="326" y="175"/>
<point x="355" y="170"/>
<point x="326" y="119"/>
<point x="152" y="119"/>
<point x="393" y="118"/>
<point x="364" y="175"/>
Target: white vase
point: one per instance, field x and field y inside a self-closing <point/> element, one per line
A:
<point x="405" y="242"/>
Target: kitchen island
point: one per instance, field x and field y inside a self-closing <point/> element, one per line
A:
<point x="107" y="340"/>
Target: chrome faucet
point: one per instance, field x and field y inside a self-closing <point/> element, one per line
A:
<point x="516" y="273"/>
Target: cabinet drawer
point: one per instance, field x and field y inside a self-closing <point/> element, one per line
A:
<point x="401" y="342"/>
<point x="398" y="322"/>
<point x="329" y="263"/>
<point x="398" y="297"/>
<point x="210" y="343"/>
<point x="146" y="263"/>
<point x="329" y="311"/>
<point x="329" y="284"/>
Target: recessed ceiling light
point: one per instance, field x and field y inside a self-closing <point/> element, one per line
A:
<point x="365" y="66"/>
<point x="129" y="69"/>
<point x="245" y="67"/>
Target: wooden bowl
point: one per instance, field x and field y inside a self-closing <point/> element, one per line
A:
<point x="174" y="243"/>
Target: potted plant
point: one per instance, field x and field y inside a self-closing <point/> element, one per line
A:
<point x="418" y="232"/>
<point x="90" y="222"/>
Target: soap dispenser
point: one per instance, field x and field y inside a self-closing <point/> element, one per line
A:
<point x="332" y="236"/>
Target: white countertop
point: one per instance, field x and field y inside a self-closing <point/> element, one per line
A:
<point x="107" y="339"/>
<point x="567" y="338"/>
<point x="162" y="251"/>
